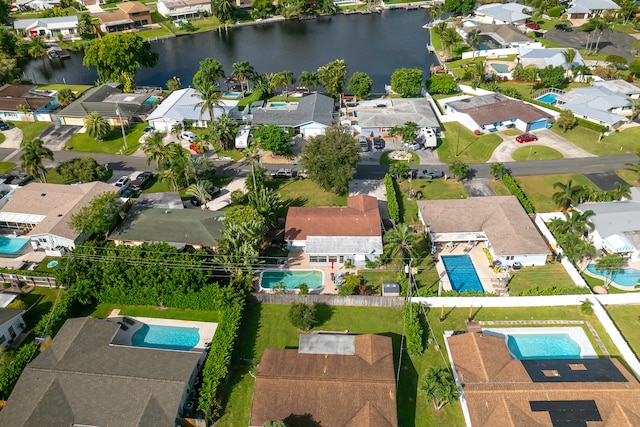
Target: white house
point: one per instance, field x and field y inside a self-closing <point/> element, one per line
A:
<point x="67" y="26"/>
<point x="585" y="9"/>
<point x="182" y="105"/>
<point x="597" y="104"/>
<point x="11" y="325"/>
<point x="184" y="9"/>
<point x="243" y="137"/>
<point x="498" y="222"/>
<point x="502" y="13"/>
<point x="376" y="117"/>
<point x="542" y="57"/>
<point x="38" y="4"/>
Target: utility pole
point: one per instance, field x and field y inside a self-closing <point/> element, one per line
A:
<point x="124" y="136"/>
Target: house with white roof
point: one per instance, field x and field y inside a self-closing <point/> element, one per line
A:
<point x="67" y="26"/>
<point x="620" y="86"/>
<point x="38" y="4"/>
<point x="616" y="225"/>
<point x="542" y="58"/>
<point x="11" y="325"/>
<point x="598" y="104"/>
<point x="502" y="13"/>
<point x="585" y="9"/>
<point x="182" y="105"/>
<point x="378" y="116"/>
<point x="184" y="9"/>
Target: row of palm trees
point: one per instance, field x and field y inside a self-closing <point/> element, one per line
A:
<point x="570" y="194"/>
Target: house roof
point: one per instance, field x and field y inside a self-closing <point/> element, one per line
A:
<point x="618" y="86"/>
<point x="507" y="12"/>
<point x="115" y="18"/>
<point x="543" y="57"/>
<point x="330" y="389"/>
<point x="494" y="107"/>
<point x="595" y="102"/>
<point x="501" y="218"/>
<point x="169" y="200"/>
<point x="105" y="99"/>
<point x="417" y="110"/>
<point x="7" y="314"/>
<point x="52" y="205"/>
<point x="311" y="108"/>
<point x="183" y="3"/>
<point x="133" y="7"/>
<point x="501" y="391"/>
<point x="586" y="6"/>
<point x="338" y="245"/>
<point x="11" y="96"/>
<point x="50" y="23"/>
<point x="611" y="218"/>
<point x="182" y="104"/>
<point x="81" y="379"/>
<point x="360" y="217"/>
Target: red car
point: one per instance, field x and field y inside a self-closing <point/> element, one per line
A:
<point x="532" y="25"/>
<point x="197" y="148"/>
<point x="526" y="137"/>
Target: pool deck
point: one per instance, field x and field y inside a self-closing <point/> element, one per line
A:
<point x="628" y="264"/>
<point x="480" y="262"/>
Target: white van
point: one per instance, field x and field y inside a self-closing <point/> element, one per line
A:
<point x="189" y="136"/>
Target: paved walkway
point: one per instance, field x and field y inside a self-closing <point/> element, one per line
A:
<point x="225" y="199"/>
<point x="547" y="138"/>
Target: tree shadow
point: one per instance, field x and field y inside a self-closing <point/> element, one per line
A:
<point x="287" y="203"/>
<point x="301" y="420"/>
<point x="248" y="334"/>
<point x="407" y="386"/>
<point x="324" y="313"/>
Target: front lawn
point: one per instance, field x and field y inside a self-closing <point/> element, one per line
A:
<point x="77" y="89"/>
<point x="6" y="166"/>
<point x="499" y="188"/>
<point x="627" y="321"/>
<point x="113" y="143"/>
<point x="31" y="130"/>
<point x="544" y="276"/>
<point x="539" y="188"/>
<point x="536" y="152"/>
<point x="103" y="310"/>
<point x="385" y="160"/>
<point x="469" y="147"/>
<point x="2" y="138"/>
<point x="44" y="299"/>
<point x="625" y="142"/>
<point x="629" y="176"/>
<point x="305" y="192"/>
<point x="431" y="189"/>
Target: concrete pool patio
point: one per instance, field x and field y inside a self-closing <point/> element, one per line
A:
<point x="488" y="278"/>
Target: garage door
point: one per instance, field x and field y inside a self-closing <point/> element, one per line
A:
<point x="538" y="124"/>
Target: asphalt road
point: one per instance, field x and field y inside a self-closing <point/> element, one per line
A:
<point x="611" y="42"/>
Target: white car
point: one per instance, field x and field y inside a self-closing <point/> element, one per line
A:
<point x="189" y="136"/>
<point x="123" y="182"/>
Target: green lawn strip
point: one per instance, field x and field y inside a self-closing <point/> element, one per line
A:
<point x="31" y="130"/>
<point x="544" y="276"/>
<point x="432" y="189"/>
<point x="625" y="142"/>
<point x="626" y="320"/>
<point x="512" y="132"/>
<point x="629" y="176"/>
<point x="539" y="188"/>
<point x="499" y="188"/>
<point x="374" y="278"/>
<point x="548" y="43"/>
<point x="2" y="138"/>
<point x="549" y="24"/>
<point x="45" y="298"/>
<point x="385" y="160"/>
<point x="103" y="310"/>
<point x="305" y="192"/>
<point x="112" y="143"/>
<point x="594" y="281"/>
<point x="470" y="148"/>
<point x="77" y="89"/>
<point x="42" y="266"/>
<point x="536" y="152"/>
<point x="6" y="166"/>
<point x="435" y="40"/>
<point x="163" y="31"/>
<point x="234" y="154"/>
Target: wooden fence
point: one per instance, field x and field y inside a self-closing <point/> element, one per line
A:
<point x="19" y="280"/>
<point x="349" y="300"/>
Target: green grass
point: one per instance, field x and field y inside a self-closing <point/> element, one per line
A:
<point x="625" y="142"/>
<point x="629" y="176"/>
<point x="31" y="130"/>
<point x="385" y="160"/>
<point x="470" y="148"/>
<point x="375" y="278"/>
<point x="432" y="189"/>
<point x="112" y="143"/>
<point x="234" y="154"/>
<point x="626" y="319"/>
<point x="536" y="152"/>
<point x="103" y="310"/>
<point x="42" y="266"/>
<point x="539" y="188"/>
<point x="305" y="192"/>
<point x="45" y="298"/>
<point x="6" y="166"/>
<point x="544" y="276"/>
<point x="435" y="40"/>
<point x="499" y="188"/>
<point x="77" y="89"/>
<point x="511" y="132"/>
<point x="267" y="326"/>
<point x="2" y="138"/>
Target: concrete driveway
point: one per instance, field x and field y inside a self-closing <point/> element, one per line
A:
<point x="504" y="152"/>
<point x="478" y="187"/>
<point x="55" y="136"/>
<point x="611" y="42"/>
<point x="225" y="197"/>
<point x="13" y="138"/>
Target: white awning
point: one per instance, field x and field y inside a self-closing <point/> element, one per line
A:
<point x="618" y="244"/>
<point x="21" y="218"/>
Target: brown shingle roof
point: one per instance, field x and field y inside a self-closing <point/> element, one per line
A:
<point x="133" y="7"/>
<point x="336" y="390"/>
<point x="501" y="218"/>
<point x="361" y="217"/>
<point x="11" y="96"/>
<point x="117" y="16"/>
<point x="492" y="108"/>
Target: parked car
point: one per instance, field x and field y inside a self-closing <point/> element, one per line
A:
<point x="364" y="143"/>
<point x="5" y="126"/>
<point x="124" y="182"/>
<point x="526" y="137"/>
<point x="415" y="145"/>
<point x="7" y="178"/>
<point x="563" y="27"/>
<point x="214" y="192"/>
<point x="141" y="180"/>
<point x="378" y="143"/>
<point x="538" y="34"/>
<point x="189" y="136"/>
<point x="282" y="173"/>
<point x="22" y="179"/>
<point x="196" y="148"/>
<point x="532" y="25"/>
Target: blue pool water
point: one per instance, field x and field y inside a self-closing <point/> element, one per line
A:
<point x="624" y="277"/>
<point x="11" y="247"/>
<point x="151" y="99"/>
<point x="462" y="274"/>
<point x="232" y="95"/>
<point x="482" y="46"/>
<point x="291" y="278"/>
<point x="345" y="3"/>
<point x="166" y="337"/>
<point x="549" y="98"/>
<point x="543" y="346"/>
<point x="278" y="104"/>
<point x="500" y="68"/>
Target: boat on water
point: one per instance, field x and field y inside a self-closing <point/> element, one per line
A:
<point x="306" y="18"/>
<point x="56" y="52"/>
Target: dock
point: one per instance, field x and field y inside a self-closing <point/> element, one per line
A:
<point x="55" y="52"/>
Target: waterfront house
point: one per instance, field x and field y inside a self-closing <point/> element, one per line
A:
<point x="182" y="106"/>
<point x="50" y="28"/>
<point x="543" y="58"/>
<point x="497" y="222"/>
<point x="376" y="117"/>
<point x="25" y="103"/>
<point x="131" y="14"/>
<point x="494" y="36"/>
<point x="111" y="102"/>
<point x="184" y="9"/>
<point x="85" y="377"/>
<point x="308" y="117"/>
<point x="11" y="325"/>
<point x="42" y="212"/>
<point x="335" y="234"/>
<point x="330" y="380"/>
<point x="502" y="13"/>
<point x="488" y="113"/>
<point x="585" y="9"/>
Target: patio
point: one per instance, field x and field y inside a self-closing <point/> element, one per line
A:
<point x="490" y="280"/>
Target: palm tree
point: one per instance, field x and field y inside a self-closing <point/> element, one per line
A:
<point x="243" y="72"/>
<point x="224" y="10"/>
<point x="634" y="103"/>
<point x="439" y="28"/>
<point x="170" y="176"/>
<point x="308" y="80"/>
<point x="609" y="264"/>
<point x="333" y="76"/>
<point x="498" y="170"/>
<point x="439" y="386"/>
<point x="589" y="27"/>
<point x="620" y="192"/>
<point x="223" y="130"/>
<point x="402" y="241"/>
<point x="267" y="202"/>
<point x="569" y="57"/>
<point x="287" y="79"/>
<point x="96" y="126"/>
<point x="200" y="190"/>
<point x="575" y="222"/>
<point x="567" y="194"/>
<point x="31" y="158"/>
<point x="604" y="24"/>
<point x="473" y="39"/>
<point x="449" y="37"/>
<point x="209" y="99"/>
<point x="436" y="11"/>
<point x="37" y="48"/>
<point x="276" y="80"/>
<point x="153" y="147"/>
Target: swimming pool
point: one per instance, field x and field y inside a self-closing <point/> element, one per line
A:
<point x="237" y="95"/>
<point x="462" y="274"/>
<point x="627" y="277"/>
<point x="11" y="247"/>
<point x="545" y="343"/>
<point x="344" y="3"/>
<point x="500" y="68"/>
<point x="278" y="105"/>
<point x="291" y="278"/>
<point x="151" y="99"/>
<point x="166" y="337"/>
<point x="548" y="98"/>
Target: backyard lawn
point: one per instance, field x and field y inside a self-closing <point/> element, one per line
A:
<point x="113" y="143"/>
<point x="627" y="320"/>
<point x="539" y="188"/>
<point x="432" y="189"/>
<point x="103" y="310"/>
<point x="305" y="192"/>
<point x="470" y="148"/>
<point x="267" y="326"/>
<point x="44" y="299"/>
<point x="625" y="142"/>
<point x="77" y="89"/>
<point x="536" y="152"/>
<point x="6" y="166"/>
<point x="31" y="130"/>
<point x="544" y="276"/>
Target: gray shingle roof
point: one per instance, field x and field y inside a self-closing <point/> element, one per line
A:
<point x="594" y="102"/>
<point x="311" y="108"/>
<point x="508" y="12"/>
<point x="102" y="99"/>
<point x="82" y="379"/>
<point x="7" y="314"/>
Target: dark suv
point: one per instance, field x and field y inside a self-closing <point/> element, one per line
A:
<point x="563" y="27"/>
<point x="141" y="180"/>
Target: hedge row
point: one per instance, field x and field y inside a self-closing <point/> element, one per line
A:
<point x="413" y="329"/>
<point x="51" y="322"/>
<point x="392" y="198"/>
<point x="216" y="366"/>
<point x="11" y="372"/>
<point x="542" y="104"/>
<point x="514" y="188"/>
<point x="27" y="272"/>
<point x="593" y="126"/>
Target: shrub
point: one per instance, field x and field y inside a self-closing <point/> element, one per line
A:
<point x="634" y="67"/>
<point x="51" y="322"/>
<point x="304" y="289"/>
<point x="514" y="188"/>
<point x="302" y="316"/>
<point x="11" y="372"/>
<point x="593" y="126"/>
<point x="586" y="307"/>
<point x="550" y="291"/>
<point x="349" y="286"/>
<point x="413" y="329"/>
<point x="19" y="304"/>
<point x="555" y="12"/>
<point x="392" y="198"/>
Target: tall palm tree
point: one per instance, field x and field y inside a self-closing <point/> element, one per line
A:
<point x="308" y="80"/>
<point x="224" y="10"/>
<point x="287" y="79"/>
<point x="170" y="176"/>
<point x="440" y="27"/>
<point x="620" y="192"/>
<point x="223" y="130"/>
<point x="210" y="97"/>
<point x="569" y="57"/>
<point x="473" y="39"/>
<point x="33" y="152"/>
<point x="436" y="11"/>
<point x="276" y="81"/>
<point x="567" y="194"/>
<point x="37" y="48"/>
<point x="333" y="76"/>
<point x="243" y="72"/>
<point x="402" y="241"/>
<point x="604" y="24"/>
<point x="262" y="84"/>
<point x="96" y="126"/>
<point x="153" y="147"/>
<point x="200" y="190"/>
<point x="449" y="37"/>
<point x="589" y="27"/>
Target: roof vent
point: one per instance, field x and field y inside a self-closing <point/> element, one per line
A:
<point x="59" y="215"/>
<point x="43" y="194"/>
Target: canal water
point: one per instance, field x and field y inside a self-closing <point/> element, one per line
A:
<point x="375" y="43"/>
